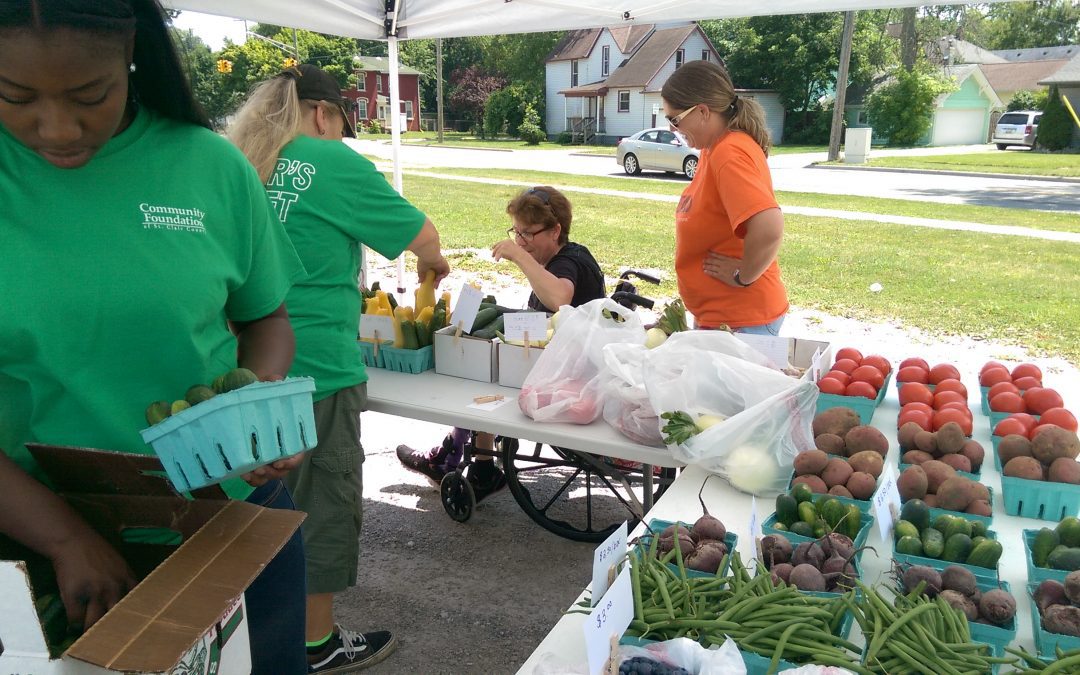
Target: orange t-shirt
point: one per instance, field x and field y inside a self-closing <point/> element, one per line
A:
<point x="731" y="185"/>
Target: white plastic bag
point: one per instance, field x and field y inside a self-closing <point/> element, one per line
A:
<point x="564" y="385"/>
<point x="768" y="415"/>
<point x="626" y="402"/>
<point x="691" y="656"/>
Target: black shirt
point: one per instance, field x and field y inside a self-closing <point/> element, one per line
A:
<point x="574" y="263"/>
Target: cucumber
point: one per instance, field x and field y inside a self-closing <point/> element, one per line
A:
<point x="1069" y="531"/>
<point x="1046" y="540"/>
<point x="978" y="528"/>
<point x="853" y="522"/>
<point x="802" y="493"/>
<point x="909" y="546"/>
<point x="957" y="526"/>
<point x="488" y="332"/>
<point x="933" y="543"/>
<point x="942" y="522"/>
<point x="787" y="509"/>
<point x="483" y="318"/>
<point x="802" y="529"/>
<point x="807" y="514"/>
<point x="1064" y="558"/>
<point x="916" y="512"/>
<point x="409" y="338"/>
<point x="986" y="554"/>
<point x="905" y="529"/>
<point x="957" y="548"/>
<point x="423" y="333"/>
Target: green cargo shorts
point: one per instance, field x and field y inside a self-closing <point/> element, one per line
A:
<point x="328" y="485"/>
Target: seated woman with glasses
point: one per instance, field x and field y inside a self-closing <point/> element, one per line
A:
<point x="560" y="272"/>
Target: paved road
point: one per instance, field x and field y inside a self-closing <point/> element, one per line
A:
<point x="790" y="173"/>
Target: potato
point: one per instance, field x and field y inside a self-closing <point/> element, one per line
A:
<point x="926" y="441"/>
<point x="840" y="491"/>
<point x="975" y="453"/>
<point x="916" y="457"/>
<point x="817" y="486"/>
<point x="980" y="507"/>
<point x="906" y="435"/>
<point x="1053" y="442"/>
<point x="950" y="438"/>
<point x="912" y="483"/>
<point x="1024" y="467"/>
<point x="830" y="443"/>
<point x="837" y="472"/>
<point x="861" y="485"/>
<point x="866" y="438"/>
<point x="978" y="491"/>
<point x="937" y="472"/>
<point x="837" y="421"/>
<point x="1064" y="470"/>
<point x="869" y="462"/>
<point x="1013" y="445"/>
<point x="930" y="500"/>
<point x="958" y="462"/>
<point x="953" y="494"/>
<point x="810" y="462"/>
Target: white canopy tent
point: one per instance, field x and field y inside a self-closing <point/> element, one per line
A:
<point x="394" y="20"/>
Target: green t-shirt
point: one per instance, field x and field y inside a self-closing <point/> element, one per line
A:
<point x="118" y="277"/>
<point x="332" y="201"/>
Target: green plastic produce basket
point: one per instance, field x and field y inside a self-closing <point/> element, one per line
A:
<point x="235" y="432"/>
<point x="731" y="540"/>
<point x="408" y="360"/>
<point x="371" y="357"/>
<point x="1046" y="643"/>
<point x="984" y="402"/>
<point x="983" y="575"/>
<point x="1037" y="575"/>
<point x="997" y="637"/>
<point x="860" y="404"/>
<point x="1040" y="499"/>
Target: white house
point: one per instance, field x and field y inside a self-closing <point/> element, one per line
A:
<point x="604" y="84"/>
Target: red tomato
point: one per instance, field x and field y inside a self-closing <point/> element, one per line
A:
<point x="911" y="392"/>
<point x="1027" y="420"/>
<point x="877" y="361"/>
<point x="951" y="385"/>
<point x="1059" y="417"/>
<point x="828" y="385"/>
<point x="920" y="417"/>
<point x="991" y="364"/>
<point x="913" y="374"/>
<point x="916" y="405"/>
<point x="943" y="417"/>
<point x="1040" y="399"/>
<point x="962" y="407"/>
<point x="992" y="376"/>
<point x="1008" y="402"/>
<point x="1039" y="428"/>
<point x="943" y="397"/>
<point x="840" y="376"/>
<point x="1001" y="387"/>
<point x="1027" y="370"/>
<point x="1027" y="382"/>
<point x="943" y="371"/>
<point x="845" y="365"/>
<point x="915" y="361"/>
<point x="870" y="375"/>
<point x="1009" y="426"/>
<point x="849" y="353"/>
<point x="864" y="389"/>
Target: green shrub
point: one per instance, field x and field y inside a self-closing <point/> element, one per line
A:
<point x="902" y="108"/>
<point x="373" y="126"/>
<point x="808" y="128"/>
<point x="1056" y="125"/>
<point x="564" y="138"/>
<point x="530" y="130"/>
<point x="1026" y="99"/>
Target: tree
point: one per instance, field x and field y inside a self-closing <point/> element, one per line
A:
<point x="1020" y="25"/>
<point x="470" y="90"/>
<point x="1056" y="125"/>
<point x="206" y="83"/>
<point x="1028" y="100"/>
<point x="902" y="108"/>
<point x="530" y="129"/>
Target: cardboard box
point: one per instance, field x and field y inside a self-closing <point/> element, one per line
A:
<point x="465" y="356"/>
<point x="515" y="363"/>
<point x="799" y="352"/>
<point x="187" y="614"/>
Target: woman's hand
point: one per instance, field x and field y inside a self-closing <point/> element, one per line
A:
<point x="92" y="577"/>
<point x="509" y="250"/>
<point x="440" y="267"/>
<point x="723" y="268"/>
<point x="273" y="471"/>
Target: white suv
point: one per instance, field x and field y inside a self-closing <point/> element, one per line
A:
<point x="1017" y="128"/>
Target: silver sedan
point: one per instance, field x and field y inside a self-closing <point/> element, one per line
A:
<point x="658" y="149"/>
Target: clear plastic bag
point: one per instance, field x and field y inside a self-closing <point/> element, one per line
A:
<point x="626" y="402"/>
<point x="768" y="414"/>
<point x="564" y="385"/>
<point x="691" y="656"/>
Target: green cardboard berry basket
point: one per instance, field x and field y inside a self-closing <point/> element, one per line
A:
<point x="413" y="361"/>
<point x="998" y="637"/>
<point x="769" y="527"/>
<point x="1044" y="500"/>
<point x="863" y="504"/>
<point x="1046" y="643"/>
<point x="983" y="575"/>
<point x="860" y="404"/>
<point x="731" y="540"/>
<point x="1037" y="575"/>
<point x="371" y="357"/>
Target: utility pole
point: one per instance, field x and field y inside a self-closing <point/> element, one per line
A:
<point x="909" y="46"/>
<point x="841" y="87"/>
<point x="295" y="44"/>
<point x="438" y="89"/>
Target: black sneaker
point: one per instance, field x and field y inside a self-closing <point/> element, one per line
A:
<point x="485" y="483"/>
<point x="433" y="463"/>
<point x="348" y="652"/>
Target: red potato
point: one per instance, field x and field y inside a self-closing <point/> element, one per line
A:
<point x="915" y="392"/>
<point x="870" y="375"/>
<point x="943" y="371"/>
<point x="992" y="376"/>
<point x="914" y="362"/>
<point x="913" y="374"/>
<point x="1060" y="417"/>
<point x="951" y="385"/>
<point x="1041" y="428"/>
<point x="1008" y="402"/>
<point x="1041" y="399"/>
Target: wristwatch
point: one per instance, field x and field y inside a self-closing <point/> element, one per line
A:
<point x="738" y="280"/>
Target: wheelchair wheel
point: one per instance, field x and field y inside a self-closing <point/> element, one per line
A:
<point x="576" y="495"/>
<point x="457" y="496"/>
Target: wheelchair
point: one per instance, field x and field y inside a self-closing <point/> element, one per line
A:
<point x="576" y="495"/>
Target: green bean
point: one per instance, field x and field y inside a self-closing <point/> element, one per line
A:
<point x="1062" y="664"/>
<point x="775" y="661"/>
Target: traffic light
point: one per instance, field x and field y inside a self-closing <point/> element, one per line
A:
<point x="224" y="66"/>
<point x="290" y="62"/>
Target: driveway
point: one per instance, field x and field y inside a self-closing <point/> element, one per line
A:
<point x="791" y="173"/>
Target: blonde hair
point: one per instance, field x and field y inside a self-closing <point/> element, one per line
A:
<point x="268" y="120"/>
<point x="704" y="82"/>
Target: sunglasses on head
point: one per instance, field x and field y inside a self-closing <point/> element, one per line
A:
<point x="542" y="195"/>
<point x="674" y="121"/>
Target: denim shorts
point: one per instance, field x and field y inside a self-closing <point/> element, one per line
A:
<point x="771" y="328"/>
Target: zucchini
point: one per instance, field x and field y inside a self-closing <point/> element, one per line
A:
<point x="409" y="339"/>
<point x="488" y="332"/>
<point x="423" y="333"/>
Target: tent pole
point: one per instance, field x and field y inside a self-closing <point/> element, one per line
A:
<point x="395" y="140"/>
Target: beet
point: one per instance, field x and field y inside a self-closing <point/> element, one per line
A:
<point x="708" y="528"/>
<point x="961" y="602"/>
<point x="1061" y="619"/>
<point x="808" y="552"/>
<point x="916" y="573"/>
<point x="959" y="579"/>
<point x="834" y="565"/>
<point x="781" y="571"/>
<point x="775" y="549"/>
<point x="807" y="578"/>
<point x="669" y="531"/>
<point x="668" y="543"/>
<point x="1050" y="592"/>
<point x="998" y="607"/>
<point x="835" y="543"/>
<point x="707" y="557"/>
<point x="1072" y="587"/>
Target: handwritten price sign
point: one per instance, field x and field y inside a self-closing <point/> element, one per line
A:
<point x="606" y="555"/>
<point x="886" y="503"/>
<point x="612" y="614"/>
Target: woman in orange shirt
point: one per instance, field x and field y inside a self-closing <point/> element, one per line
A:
<point x="728" y="226"/>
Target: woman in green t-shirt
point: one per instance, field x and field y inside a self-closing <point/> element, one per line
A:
<point x="333" y="202"/>
<point x="134" y="239"/>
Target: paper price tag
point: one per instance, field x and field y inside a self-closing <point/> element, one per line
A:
<point x="606" y="555"/>
<point x="887" y="504"/>
<point x="371" y="324"/>
<point x="466" y="307"/>
<point x="755" y="523"/>
<point x="609" y="618"/>
<point x="815" y="365"/>
<point x="774" y="348"/>
<point x="517" y="324"/>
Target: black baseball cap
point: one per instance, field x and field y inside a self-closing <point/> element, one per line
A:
<point x="315" y="84"/>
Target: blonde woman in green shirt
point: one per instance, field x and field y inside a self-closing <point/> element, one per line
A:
<point x="333" y="202"/>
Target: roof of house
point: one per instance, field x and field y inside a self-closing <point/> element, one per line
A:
<point x="953" y="50"/>
<point x="1006" y="78"/>
<point x="629" y="38"/>
<point x="576" y="44"/>
<point x="1039" y="53"/>
<point x="1067" y="74"/>
<point x="589" y="90"/>
<point x="650" y="57"/>
<point x="856" y="95"/>
<point x="381" y="64"/>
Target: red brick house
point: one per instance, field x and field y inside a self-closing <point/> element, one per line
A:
<point x="372" y="92"/>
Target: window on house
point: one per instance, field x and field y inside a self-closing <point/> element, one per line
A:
<point x="378" y="82"/>
<point x="624" y="101"/>
<point x="680" y="56"/>
<point x="704" y="54"/>
<point x="361" y="81"/>
<point x="605" y="64"/>
<point x="361" y="108"/>
<point x="573" y="73"/>
<point x="862" y="118"/>
<point x="408" y="109"/>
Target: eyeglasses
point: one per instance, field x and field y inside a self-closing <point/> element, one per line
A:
<point x="524" y="236"/>
<point x="674" y="121"/>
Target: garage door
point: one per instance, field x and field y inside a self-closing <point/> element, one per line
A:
<point x="959" y="127"/>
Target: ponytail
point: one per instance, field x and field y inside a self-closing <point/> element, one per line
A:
<point x="267" y="121"/>
<point x="705" y="82"/>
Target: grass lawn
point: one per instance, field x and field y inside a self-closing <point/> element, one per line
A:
<point x="1008" y="161"/>
<point x="1013" y="290"/>
<point x="990" y="215"/>
<point x="459" y="139"/>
